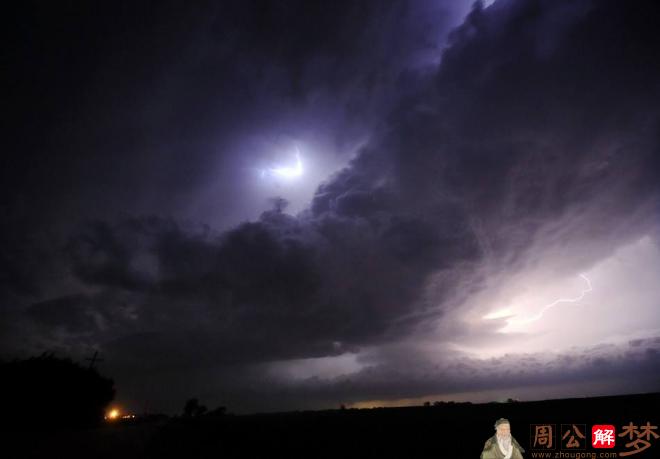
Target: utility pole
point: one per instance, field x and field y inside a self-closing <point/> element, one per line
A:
<point x="94" y="359"/>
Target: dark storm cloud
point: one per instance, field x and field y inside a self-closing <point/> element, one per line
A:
<point x="132" y="109"/>
<point x="280" y="287"/>
<point x="538" y="131"/>
<point x="69" y="311"/>
<point x="138" y="107"/>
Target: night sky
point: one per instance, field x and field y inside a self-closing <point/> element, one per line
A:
<point x="279" y="205"/>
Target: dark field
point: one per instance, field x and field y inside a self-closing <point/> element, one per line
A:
<point x="446" y="430"/>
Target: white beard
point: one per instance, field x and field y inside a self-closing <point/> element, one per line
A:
<point x="505" y="446"/>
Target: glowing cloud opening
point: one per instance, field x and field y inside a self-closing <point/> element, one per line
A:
<point x="286" y="172"/>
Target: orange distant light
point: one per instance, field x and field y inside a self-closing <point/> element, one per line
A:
<point x="113" y="414"/>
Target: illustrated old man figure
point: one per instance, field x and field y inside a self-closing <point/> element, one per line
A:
<point x="502" y="445"/>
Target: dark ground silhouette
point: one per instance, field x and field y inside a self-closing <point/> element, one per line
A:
<point x="52" y="393"/>
<point x="434" y="430"/>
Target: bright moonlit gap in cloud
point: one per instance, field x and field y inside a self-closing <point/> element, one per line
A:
<point x="513" y="321"/>
<point x="287" y="172"/>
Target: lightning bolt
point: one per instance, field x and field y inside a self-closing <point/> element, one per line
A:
<point x="539" y="314"/>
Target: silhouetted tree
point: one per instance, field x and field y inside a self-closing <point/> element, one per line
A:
<point x="279" y="204"/>
<point x="219" y="411"/>
<point x="52" y="392"/>
<point x="193" y="408"/>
